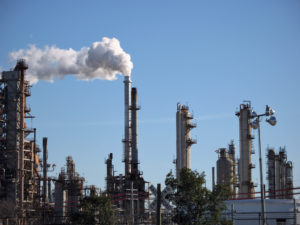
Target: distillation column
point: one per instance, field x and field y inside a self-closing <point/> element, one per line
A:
<point x="183" y="138"/>
<point x="246" y="187"/>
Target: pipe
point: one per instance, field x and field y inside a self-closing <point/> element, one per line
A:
<point x="213" y="178"/>
<point x="134" y="138"/>
<point x="127" y="150"/>
<point x="45" y="168"/>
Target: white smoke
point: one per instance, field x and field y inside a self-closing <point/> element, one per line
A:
<point x="102" y="60"/>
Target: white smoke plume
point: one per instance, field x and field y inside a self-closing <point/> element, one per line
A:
<point x="102" y="60"/>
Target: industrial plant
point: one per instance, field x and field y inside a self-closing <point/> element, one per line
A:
<point x="28" y="195"/>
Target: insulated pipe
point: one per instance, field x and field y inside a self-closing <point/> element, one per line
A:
<point x="127" y="120"/>
<point x="134" y="138"/>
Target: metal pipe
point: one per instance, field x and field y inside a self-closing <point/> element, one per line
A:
<point x="127" y="120"/>
<point x="213" y="178"/>
<point x="134" y="137"/>
<point x="45" y="168"/>
<point x="158" y="206"/>
<point x="263" y="207"/>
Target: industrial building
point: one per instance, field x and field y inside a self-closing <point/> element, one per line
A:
<point x="280" y="175"/>
<point x="183" y="138"/>
<point x="127" y="190"/>
<point x="19" y="163"/>
<point x="26" y="196"/>
<point x="248" y="211"/>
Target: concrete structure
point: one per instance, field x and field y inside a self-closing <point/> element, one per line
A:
<point x="246" y="187"/>
<point x="278" y="211"/>
<point x="183" y="138"/>
<point x="280" y="175"/>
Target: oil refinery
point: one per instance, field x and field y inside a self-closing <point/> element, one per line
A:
<point x="28" y="195"/>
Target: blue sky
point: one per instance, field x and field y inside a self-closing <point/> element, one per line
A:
<point x="211" y="55"/>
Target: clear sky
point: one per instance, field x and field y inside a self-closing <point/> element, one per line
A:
<point x="211" y="55"/>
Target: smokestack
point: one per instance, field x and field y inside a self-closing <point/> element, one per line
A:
<point x="127" y="139"/>
<point x="45" y="168"/>
<point x="134" y="143"/>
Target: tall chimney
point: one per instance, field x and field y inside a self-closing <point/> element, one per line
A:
<point x="127" y="150"/>
<point x="45" y="168"/>
<point x="134" y="138"/>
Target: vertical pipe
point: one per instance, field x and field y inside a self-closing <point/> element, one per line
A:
<point x="295" y="212"/>
<point x="49" y="190"/>
<point x="22" y="127"/>
<point x="178" y="141"/>
<point x="213" y="178"/>
<point x="45" y="168"/>
<point x="131" y="203"/>
<point x="263" y="207"/>
<point x="158" y="206"/>
<point x="127" y="119"/>
<point x="134" y="134"/>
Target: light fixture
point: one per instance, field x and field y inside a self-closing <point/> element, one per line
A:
<point x="269" y="111"/>
<point x="272" y="120"/>
<point x="253" y="114"/>
<point x="254" y="124"/>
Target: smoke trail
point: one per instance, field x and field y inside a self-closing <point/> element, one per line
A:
<point x="102" y="60"/>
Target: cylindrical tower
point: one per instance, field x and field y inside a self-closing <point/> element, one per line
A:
<point x="271" y="173"/>
<point x="134" y="130"/>
<point x="127" y="120"/>
<point x="231" y="152"/>
<point x="183" y="138"/>
<point x="246" y="187"/>
<point x="289" y="180"/>
<point x="224" y="169"/>
<point x="45" y="169"/>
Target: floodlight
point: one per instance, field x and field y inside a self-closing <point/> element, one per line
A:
<point x="253" y="114"/>
<point x="254" y="124"/>
<point x="269" y="111"/>
<point x="272" y="120"/>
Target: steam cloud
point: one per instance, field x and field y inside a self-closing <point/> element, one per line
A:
<point x="102" y="60"/>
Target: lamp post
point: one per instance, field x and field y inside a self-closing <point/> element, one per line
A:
<point x="255" y="124"/>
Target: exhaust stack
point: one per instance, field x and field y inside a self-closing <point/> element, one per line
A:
<point x="127" y="131"/>
<point x="134" y="143"/>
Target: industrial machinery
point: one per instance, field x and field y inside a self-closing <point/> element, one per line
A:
<point x="128" y="191"/>
<point x="280" y="175"/>
<point x="226" y="168"/>
<point x="18" y="155"/>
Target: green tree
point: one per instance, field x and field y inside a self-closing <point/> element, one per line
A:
<point x="194" y="203"/>
<point x="94" y="210"/>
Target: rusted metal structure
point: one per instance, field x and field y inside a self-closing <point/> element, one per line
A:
<point x="18" y="155"/>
